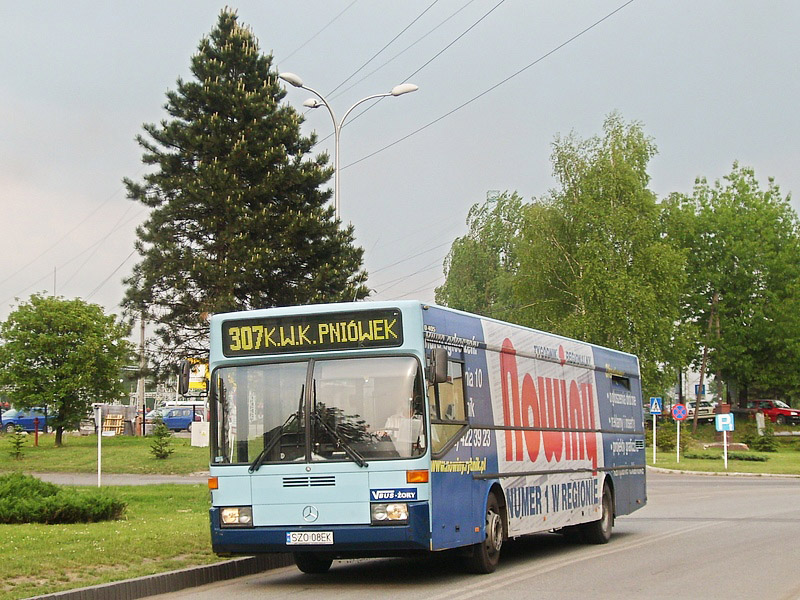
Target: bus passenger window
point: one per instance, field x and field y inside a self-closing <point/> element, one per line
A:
<point x="448" y="397"/>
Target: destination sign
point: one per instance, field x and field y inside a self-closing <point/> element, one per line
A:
<point x="312" y="333"/>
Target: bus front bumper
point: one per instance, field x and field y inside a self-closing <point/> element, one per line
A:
<point x="350" y="540"/>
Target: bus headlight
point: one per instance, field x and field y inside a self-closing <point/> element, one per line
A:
<point x="389" y="514"/>
<point x="236" y="516"/>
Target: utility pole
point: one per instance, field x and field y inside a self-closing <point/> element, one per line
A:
<point x="142" y="365"/>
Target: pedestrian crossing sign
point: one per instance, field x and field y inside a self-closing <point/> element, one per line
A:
<point x="655" y="405"/>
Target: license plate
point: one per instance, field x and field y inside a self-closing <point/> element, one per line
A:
<point x="309" y="538"/>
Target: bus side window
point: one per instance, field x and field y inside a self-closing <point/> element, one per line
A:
<point x="448" y="408"/>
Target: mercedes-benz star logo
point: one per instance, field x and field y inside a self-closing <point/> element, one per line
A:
<point x="310" y="514"/>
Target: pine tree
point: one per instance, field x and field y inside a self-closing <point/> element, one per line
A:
<point x="239" y="219"/>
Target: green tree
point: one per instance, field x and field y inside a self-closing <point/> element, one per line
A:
<point x="743" y="248"/>
<point x="480" y="265"/>
<point x="586" y="261"/>
<point x="238" y="219"/>
<point x="594" y="265"/>
<point x="63" y="355"/>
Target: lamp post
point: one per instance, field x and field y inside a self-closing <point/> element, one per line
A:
<point x="291" y="78"/>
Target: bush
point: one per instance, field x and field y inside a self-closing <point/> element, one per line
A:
<point x="667" y="437"/>
<point x="25" y="499"/>
<point x="160" y="448"/>
<point x="17" y="441"/>
<point x="761" y="443"/>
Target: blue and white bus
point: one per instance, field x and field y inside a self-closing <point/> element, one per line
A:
<point x="392" y="428"/>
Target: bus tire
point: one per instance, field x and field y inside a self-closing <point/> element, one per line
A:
<point x="312" y="563"/>
<point x="486" y="554"/>
<point x="599" y="532"/>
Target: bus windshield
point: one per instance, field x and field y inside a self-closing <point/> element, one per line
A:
<point x="355" y="409"/>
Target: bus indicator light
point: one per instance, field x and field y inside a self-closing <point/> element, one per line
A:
<point x="418" y="476"/>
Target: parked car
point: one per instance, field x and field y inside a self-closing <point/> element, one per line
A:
<point x="175" y="418"/>
<point x="707" y="410"/>
<point x="24" y="418"/>
<point x="778" y="412"/>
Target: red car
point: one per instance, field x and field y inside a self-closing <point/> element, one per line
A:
<point x="778" y="412"/>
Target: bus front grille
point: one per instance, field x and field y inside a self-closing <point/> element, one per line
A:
<point x="309" y="481"/>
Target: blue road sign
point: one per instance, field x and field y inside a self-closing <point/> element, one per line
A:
<point x="655" y="405"/>
<point x="724" y="422"/>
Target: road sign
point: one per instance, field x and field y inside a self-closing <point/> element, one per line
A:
<point x="679" y="412"/>
<point x="655" y="405"/>
<point x="697" y="389"/>
<point x="724" y="422"/>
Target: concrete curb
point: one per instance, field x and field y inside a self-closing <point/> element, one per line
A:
<point x="718" y="474"/>
<point x="172" y="581"/>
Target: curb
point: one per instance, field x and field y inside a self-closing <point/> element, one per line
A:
<point x="172" y="581"/>
<point x="720" y="474"/>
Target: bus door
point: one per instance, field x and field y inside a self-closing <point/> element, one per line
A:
<point x="451" y="479"/>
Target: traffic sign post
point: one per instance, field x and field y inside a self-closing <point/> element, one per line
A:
<point x="679" y="413"/>
<point x="724" y="423"/>
<point x="655" y="409"/>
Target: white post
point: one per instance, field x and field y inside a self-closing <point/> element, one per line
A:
<point x="99" y="445"/>
<point x="654" y="439"/>
<point x="725" y="448"/>
<point x="678" y="448"/>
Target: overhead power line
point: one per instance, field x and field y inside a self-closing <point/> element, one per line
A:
<point x="492" y="88"/>
<point x="404" y="50"/>
<point x="389" y="43"/>
<point x="313" y="37"/>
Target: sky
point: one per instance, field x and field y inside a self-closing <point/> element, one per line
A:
<point x="712" y="82"/>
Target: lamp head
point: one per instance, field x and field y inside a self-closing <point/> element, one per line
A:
<point x="291" y="78"/>
<point x="403" y="88"/>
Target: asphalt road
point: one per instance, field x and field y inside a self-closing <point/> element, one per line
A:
<point x="698" y="537"/>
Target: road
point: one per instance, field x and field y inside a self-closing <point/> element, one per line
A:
<point x="698" y="537"/>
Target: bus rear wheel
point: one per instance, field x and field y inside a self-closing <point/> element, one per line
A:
<point x="599" y="532"/>
<point x="311" y="563"/>
<point x="486" y="554"/>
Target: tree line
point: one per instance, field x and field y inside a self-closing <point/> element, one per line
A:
<point x="707" y="280"/>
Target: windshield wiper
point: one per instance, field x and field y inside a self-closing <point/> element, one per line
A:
<point x="262" y="456"/>
<point x="343" y="443"/>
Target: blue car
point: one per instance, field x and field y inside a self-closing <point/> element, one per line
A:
<point x="175" y="418"/>
<point x="24" y="418"/>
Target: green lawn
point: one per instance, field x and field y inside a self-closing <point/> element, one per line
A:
<point x="165" y="527"/>
<point x="786" y="462"/>
<point x="121" y="454"/>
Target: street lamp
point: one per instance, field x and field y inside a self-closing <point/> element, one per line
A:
<point x="296" y="81"/>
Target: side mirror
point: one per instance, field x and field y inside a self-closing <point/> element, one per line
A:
<point x="183" y="377"/>
<point x="438" y="368"/>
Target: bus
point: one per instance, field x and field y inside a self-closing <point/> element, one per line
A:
<point x="374" y="429"/>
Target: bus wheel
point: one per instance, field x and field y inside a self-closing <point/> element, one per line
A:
<point x="486" y="554"/>
<point x="599" y="532"/>
<point x="311" y="563"/>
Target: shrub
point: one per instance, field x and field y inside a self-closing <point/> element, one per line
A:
<point x="160" y="448"/>
<point x="25" y="499"/>
<point x="17" y="441"/>
<point x="667" y="437"/>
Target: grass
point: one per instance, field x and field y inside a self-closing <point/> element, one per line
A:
<point x="120" y="454"/>
<point x="784" y="462"/>
<point x="165" y="528"/>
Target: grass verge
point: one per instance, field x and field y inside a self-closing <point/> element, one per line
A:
<point x="165" y="528"/>
<point x="120" y="454"/>
<point x="783" y="462"/>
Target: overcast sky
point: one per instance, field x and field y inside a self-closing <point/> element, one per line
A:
<point x="711" y="82"/>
